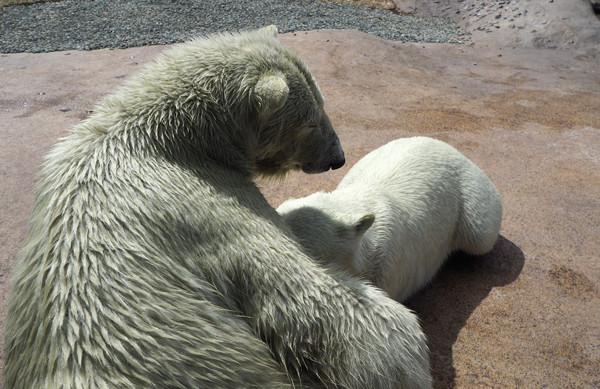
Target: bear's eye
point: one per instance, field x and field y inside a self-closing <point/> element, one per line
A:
<point x="307" y="131"/>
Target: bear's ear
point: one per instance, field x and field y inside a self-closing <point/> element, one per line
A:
<point x="269" y="30"/>
<point x="271" y="92"/>
<point x="363" y="224"/>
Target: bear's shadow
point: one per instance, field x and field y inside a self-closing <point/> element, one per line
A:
<point x="445" y="305"/>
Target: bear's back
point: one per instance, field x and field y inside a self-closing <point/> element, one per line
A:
<point x="129" y="270"/>
<point x="410" y="161"/>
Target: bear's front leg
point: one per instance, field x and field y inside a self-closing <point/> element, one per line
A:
<point x="333" y="328"/>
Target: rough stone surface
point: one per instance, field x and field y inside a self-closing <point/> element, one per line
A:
<point x="525" y="315"/>
<point x="523" y="23"/>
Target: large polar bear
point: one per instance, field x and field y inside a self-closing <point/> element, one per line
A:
<point x="153" y="261"/>
<point x="398" y="214"/>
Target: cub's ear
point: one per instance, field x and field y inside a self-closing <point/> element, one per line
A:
<point x="363" y="224"/>
<point x="269" y="30"/>
<point x="271" y="92"/>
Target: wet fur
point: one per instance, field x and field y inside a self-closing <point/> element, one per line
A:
<point x="152" y="259"/>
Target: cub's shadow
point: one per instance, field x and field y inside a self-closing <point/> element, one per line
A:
<point x="461" y="285"/>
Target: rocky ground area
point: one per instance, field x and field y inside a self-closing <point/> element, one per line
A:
<point x="99" y="24"/>
<point x="522" y="102"/>
<point x="529" y="23"/>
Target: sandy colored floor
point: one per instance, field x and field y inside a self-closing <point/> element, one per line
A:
<point x="525" y="315"/>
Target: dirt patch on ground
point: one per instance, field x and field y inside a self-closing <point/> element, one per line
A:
<point x="572" y="282"/>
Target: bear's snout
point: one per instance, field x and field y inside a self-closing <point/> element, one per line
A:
<point x="338" y="159"/>
<point x="338" y="164"/>
<point x="315" y="168"/>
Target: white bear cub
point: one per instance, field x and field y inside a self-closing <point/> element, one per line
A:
<point x="399" y="213"/>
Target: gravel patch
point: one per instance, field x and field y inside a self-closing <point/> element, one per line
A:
<point x="90" y="25"/>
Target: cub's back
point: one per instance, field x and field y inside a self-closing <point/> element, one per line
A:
<point x="409" y="164"/>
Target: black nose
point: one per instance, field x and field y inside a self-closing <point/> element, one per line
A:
<point x="338" y="164"/>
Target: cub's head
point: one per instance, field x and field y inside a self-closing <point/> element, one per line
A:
<point x="293" y="130"/>
<point x="327" y="234"/>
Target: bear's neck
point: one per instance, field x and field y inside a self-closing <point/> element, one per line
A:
<point x="189" y="131"/>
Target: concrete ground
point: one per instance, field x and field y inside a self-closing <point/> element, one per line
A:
<point x="525" y="315"/>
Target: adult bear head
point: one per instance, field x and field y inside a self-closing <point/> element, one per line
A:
<point x="293" y="129"/>
<point x="242" y="100"/>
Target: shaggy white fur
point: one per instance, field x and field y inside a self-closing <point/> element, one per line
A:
<point x="152" y="260"/>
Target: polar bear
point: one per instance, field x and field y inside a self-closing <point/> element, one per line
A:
<point x="152" y="259"/>
<point x="398" y="214"/>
